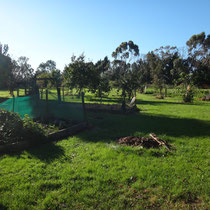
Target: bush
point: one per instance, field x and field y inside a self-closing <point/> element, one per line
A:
<point x="11" y="127"/>
<point x="32" y="130"/>
<point x="188" y="96"/>
<point x="14" y="129"/>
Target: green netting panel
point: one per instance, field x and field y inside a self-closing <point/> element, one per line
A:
<point x="23" y="105"/>
<point x="8" y="105"/>
<point x="35" y="108"/>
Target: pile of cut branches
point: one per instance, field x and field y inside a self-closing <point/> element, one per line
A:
<point x="148" y="142"/>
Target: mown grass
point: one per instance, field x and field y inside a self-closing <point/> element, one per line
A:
<point x="91" y="171"/>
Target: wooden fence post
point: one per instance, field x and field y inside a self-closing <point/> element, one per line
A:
<point x="13" y="107"/>
<point x="17" y="92"/>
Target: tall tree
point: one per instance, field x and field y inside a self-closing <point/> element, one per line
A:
<point x="46" y="67"/>
<point x="4" y="48"/>
<point x="44" y="70"/>
<point x="57" y="81"/>
<point x="144" y="75"/>
<point x="155" y="65"/>
<point x="124" y="56"/>
<point x="51" y="76"/>
<point x="100" y="81"/>
<point x="164" y="72"/>
<point x="78" y="74"/>
<point x="6" y="67"/>
<point x="22" y="72"/>
<point x="199" y="55"/>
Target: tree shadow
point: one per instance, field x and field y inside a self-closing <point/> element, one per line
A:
<point x="138" y="101"/>
<point x="145" y="102"/>
<point x="47" y="152"/>
<point x="109" y="127"/>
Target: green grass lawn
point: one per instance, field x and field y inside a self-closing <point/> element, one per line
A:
<point x="91" y="171"/>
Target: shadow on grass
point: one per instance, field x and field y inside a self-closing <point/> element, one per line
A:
<point x="112" y="126"/>
<point x="138" y="101"/>
<point x="47" y="152"/>
<point x="144" y="102"/>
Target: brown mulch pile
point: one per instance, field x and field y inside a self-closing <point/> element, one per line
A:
<point x="147" y="142"/>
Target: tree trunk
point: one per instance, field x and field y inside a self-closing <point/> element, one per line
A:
<point x="80" y="90"/>
<point x="165" y="91"/>
<point x="59" y="94"/>
<point x="145" y="89"/>
<point x="123" y="107"/>
<point x="161" y="91"/>
<point x="129" y="96"/>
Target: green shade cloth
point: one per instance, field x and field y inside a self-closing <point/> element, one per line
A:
<point x="38" y="108"/>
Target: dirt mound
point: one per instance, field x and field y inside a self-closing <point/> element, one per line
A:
<point x="147" y="142"/>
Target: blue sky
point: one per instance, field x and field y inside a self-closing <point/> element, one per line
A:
<point x="55" y="29"/>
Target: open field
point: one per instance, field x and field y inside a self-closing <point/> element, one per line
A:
<point x="91" y="171"/>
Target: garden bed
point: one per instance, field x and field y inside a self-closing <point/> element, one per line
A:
<point x="57" y="134"/>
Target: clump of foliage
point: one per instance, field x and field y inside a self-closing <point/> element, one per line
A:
<point x="100" y="82"/>
<point x="124" y="70"/>
<point x="79" y="74"/>
<point x="188" y="96"/>
<point x="32" y="128"/>
<point x="14" y="129"/>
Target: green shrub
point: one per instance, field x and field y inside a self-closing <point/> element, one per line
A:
<point x="11" y="127"/>
<point x="188" y="96"/>
<point x="32" y="130"/>
<point x="14" y="129"/>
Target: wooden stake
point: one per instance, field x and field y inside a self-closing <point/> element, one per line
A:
<point x="13" y="107"/>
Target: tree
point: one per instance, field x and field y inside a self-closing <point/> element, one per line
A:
<point x="144" y="76"/>
<point x="182" y="69"/>
<point x="78" y="74"/>
<point x="51" y="76"/>
<point x="156" y="68"/>
<point x="6" y="67"/>
<point x="56" y="81"/>
<point x="199" y="55"/>
<point x="164" y="73"/>
<point x="4" y="49"/>
<point x="99" y="83"/>
<point x="22" y="72"/>
<point x="124" y="56"/>
<point x="44" y="70"/>
<point x="46" y="67"/>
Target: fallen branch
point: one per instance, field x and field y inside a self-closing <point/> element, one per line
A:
<point x="159" y="141"/>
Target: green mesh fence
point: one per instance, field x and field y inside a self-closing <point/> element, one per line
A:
<point x="37" y="106"/>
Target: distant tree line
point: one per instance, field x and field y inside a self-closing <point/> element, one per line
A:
<point x="128" y="72"/>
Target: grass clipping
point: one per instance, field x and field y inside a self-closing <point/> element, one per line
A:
<point x="148" y="142"/>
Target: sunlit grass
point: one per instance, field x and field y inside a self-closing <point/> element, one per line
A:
<point x="90" y="170"/>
